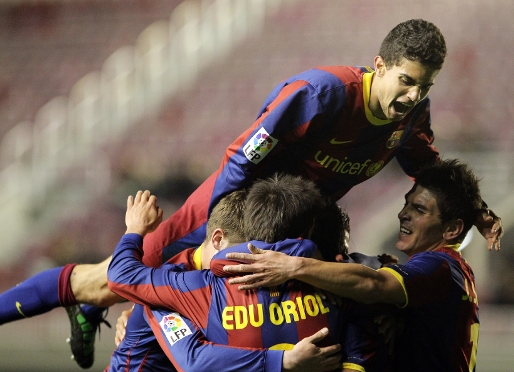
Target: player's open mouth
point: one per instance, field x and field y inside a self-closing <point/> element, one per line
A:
<point x="403" y="230"/>
<point x="401" y="108"/>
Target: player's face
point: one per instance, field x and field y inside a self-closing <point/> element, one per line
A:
<point x="397" y="89"/>
<point x="421" y="228"/>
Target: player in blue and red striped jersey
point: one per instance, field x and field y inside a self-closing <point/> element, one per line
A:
<point x="331" y="234"/>
<point x="336" y="125"/>
<point x="139" y="349"/>
<point x="190" y="293"/>
<point x="434" y="290"/>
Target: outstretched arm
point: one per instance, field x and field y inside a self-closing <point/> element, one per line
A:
<point x="130" y="278"/>
<point x="354" y="281"/>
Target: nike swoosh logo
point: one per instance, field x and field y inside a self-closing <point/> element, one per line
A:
<point x="334" y="141"/>
<point x="18" y="307"/>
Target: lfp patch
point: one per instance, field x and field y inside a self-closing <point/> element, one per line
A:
<point x="259" y="146"/>
<point x="174" y="327"/>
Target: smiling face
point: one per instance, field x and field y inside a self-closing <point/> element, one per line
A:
<point x="421" y="228"/>
<point x="395" y="90"/>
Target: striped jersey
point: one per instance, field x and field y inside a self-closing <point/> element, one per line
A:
<point x="316" y="124"/>
<point x="441" y="313"/>
<point x="201" y="305"/>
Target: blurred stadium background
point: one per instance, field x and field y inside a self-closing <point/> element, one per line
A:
<point x="100" y="98"/>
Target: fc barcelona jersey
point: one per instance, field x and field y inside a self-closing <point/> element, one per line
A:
<point x="273" y="318"/>
<point x="440" y="315"/>
<point x="316" y="124"/>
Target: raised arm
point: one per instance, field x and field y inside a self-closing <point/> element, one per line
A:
<point x="142" y="215"/>
<point x="131" y="279"/>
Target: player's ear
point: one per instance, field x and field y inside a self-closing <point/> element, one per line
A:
<point x="218" y="239"/>
<point x="453" y="229"/>
<point x="380" y="66"/>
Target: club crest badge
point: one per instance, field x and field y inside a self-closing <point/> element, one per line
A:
<point x="394" y="139"/>
<point x="374" y="168"/>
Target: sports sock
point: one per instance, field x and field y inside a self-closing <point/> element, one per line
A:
<point x="65" y="292"/>
<point x="36" y="295"/>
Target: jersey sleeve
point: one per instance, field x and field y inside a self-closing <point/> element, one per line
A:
<point x="188" y="350"/>
<point x="291" y="111"/>
<point x="416" y="149"/>
<point x="426" y="278"/>
<point x="185" y="292"/>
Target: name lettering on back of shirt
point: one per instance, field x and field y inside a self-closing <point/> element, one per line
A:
<point x="240" y="317"/>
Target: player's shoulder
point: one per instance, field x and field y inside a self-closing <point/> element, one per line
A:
<point x="329" y="77"/>
<point x="436" y="259"/>
<point x="184" y="259"/>
<point x="346" y="74"/>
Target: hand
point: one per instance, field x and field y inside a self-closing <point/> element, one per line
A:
<point x="491" y="228"/>
<point x="306" y="356"/>
<point x="269" y="268"/>
<point x="121" y="326"/>
<point x="143" y="215"/>
<point x="387" y="259"/>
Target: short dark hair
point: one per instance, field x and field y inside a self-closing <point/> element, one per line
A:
<point x="416" y="40"/>
<point x="329" y="231"/>
<point x="281" y="207"/>
<point x="456" y="189"/>
<point x="228" y="215"/>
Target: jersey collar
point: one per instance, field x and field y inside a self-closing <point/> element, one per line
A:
<point x="197" y="258"/>
<point x="455" y="247"/>
<point x="366" y="92"/>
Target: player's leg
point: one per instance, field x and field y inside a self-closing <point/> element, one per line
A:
<point x="37" y="295"/>
<point x="88" y="283"/>
<point x="61" y="286"/>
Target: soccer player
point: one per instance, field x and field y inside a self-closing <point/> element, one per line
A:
<point x="434" y="290"/>
<point x="281" y="206"/>
<point x="336" y="125"/>
<point x="139" y="349"/>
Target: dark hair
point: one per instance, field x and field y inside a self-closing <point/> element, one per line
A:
<point x="416" y="40"/>
<point x="228" y="215"/>
<point x="456" y="189"/>
<point x="280" y="207"/>
<point x="329" y="231"/>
